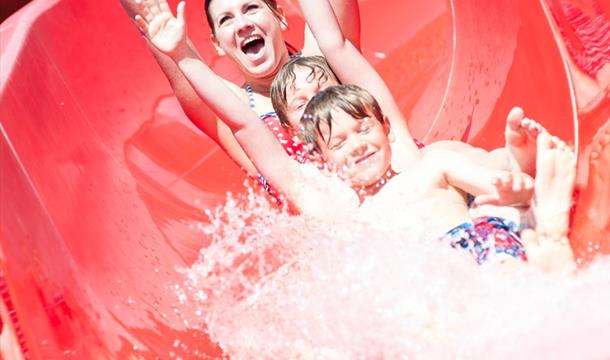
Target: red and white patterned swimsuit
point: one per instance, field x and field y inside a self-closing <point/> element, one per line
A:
<point x="291" y="144"/>
<point x="585" y="33"/>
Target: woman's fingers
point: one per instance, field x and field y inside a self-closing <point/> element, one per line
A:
<point x="180" y="11"/>
<point x="141" y="24"/>
<point x="144" y="10"/>
<point x="153" y="7"/>
<point x="164" y="6"/>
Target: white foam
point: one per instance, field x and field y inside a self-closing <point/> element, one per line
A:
<point x="282" y="286"/>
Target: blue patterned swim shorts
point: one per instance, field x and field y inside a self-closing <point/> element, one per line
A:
<point x="485" y="236"/>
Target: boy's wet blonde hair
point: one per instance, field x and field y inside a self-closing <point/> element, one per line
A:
<point x="285" y="78"/>
<point x="352" y="99"/>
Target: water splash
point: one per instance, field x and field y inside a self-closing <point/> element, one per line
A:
<point x="280" y="286"/>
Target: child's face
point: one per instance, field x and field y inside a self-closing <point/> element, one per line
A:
<point x="305" y="86"/>
<point x="358" y="148"/>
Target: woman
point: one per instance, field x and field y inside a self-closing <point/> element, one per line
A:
<point x="250" y="33"/>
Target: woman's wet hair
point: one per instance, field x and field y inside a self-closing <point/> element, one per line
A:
<point x="272" y="4"/>
<point x="285" y="78"/>
<point x="352" y="99"/>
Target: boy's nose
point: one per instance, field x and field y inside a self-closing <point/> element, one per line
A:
<point x="359" y="147"/>
<point x="313" y="90"/>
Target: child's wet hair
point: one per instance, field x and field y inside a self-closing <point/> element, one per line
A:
<point x="285" y="78"/>
<point x="352" y="99"/>
<point x="272" y="4"/>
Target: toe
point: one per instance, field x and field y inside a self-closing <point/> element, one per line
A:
<point x="514" y="117"/>
<point x="545" y="141"/>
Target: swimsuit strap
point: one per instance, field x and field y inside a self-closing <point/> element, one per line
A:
<point x="252" y="103"/>
<point x="267" y="114"/>
<point x="250" y="93"/>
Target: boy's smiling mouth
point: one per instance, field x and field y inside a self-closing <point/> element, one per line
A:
<point x="365" y="158"/>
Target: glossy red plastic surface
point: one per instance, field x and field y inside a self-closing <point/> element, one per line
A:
<point x="102" y="176"/>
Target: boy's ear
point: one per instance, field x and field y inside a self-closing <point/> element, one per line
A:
<point x="388" y="129"/>
<point x="219" y="50"/>
<point x="386" y="125"/>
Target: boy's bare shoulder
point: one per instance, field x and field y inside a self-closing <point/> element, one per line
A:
<point x="432" y="155"/>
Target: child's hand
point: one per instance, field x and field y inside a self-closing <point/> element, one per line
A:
<point x="164" y="31"/>
<point x="511" y="189"/>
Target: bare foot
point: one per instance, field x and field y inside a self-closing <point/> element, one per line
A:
<point x="511" y="189"/>
<point x="548" y="254"/>
<point x="521" y="134"/>
<point x="554" y="184"/>
<point x="591" y="224"/>
<point x="548" y="247"/>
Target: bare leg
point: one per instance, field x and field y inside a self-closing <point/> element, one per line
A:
<point x="591" y="224"/>
<point x="548" y="247"/>
<point x="521" y="134"/>
<point x="599" y="172"/>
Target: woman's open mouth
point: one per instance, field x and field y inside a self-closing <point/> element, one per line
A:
<point x="253" y="47"/>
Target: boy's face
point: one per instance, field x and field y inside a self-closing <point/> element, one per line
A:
<point x="305" y="86"/>
<point x="358" y="148"/>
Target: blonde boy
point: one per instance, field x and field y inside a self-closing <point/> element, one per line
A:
<point x="348" y="128"/>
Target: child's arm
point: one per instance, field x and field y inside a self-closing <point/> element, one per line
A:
<point x="168" y="35"/>
<point x="351" y="66"/>
<point x="490" y="186"/>
<point x="347" y="13"/>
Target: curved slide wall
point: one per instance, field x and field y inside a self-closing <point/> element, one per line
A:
<point x="102" y="176"/>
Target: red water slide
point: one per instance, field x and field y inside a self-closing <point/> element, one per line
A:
<point x="103" y="177"/>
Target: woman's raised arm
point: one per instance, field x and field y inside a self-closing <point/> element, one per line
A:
<point x="167" y="34"/>
<point x="347" y="13"/>
<point x="193" y="106"/>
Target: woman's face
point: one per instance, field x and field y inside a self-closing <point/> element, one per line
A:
<point x="250" y="33"/>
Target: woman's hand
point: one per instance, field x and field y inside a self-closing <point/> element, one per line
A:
<point x="164" y="31"/>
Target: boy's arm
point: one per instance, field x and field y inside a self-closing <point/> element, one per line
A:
<point x="168" y="35"/>
<point x="347" y="13"/>
<point x="351" y="66"/>
<point x="490" y="186"/>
